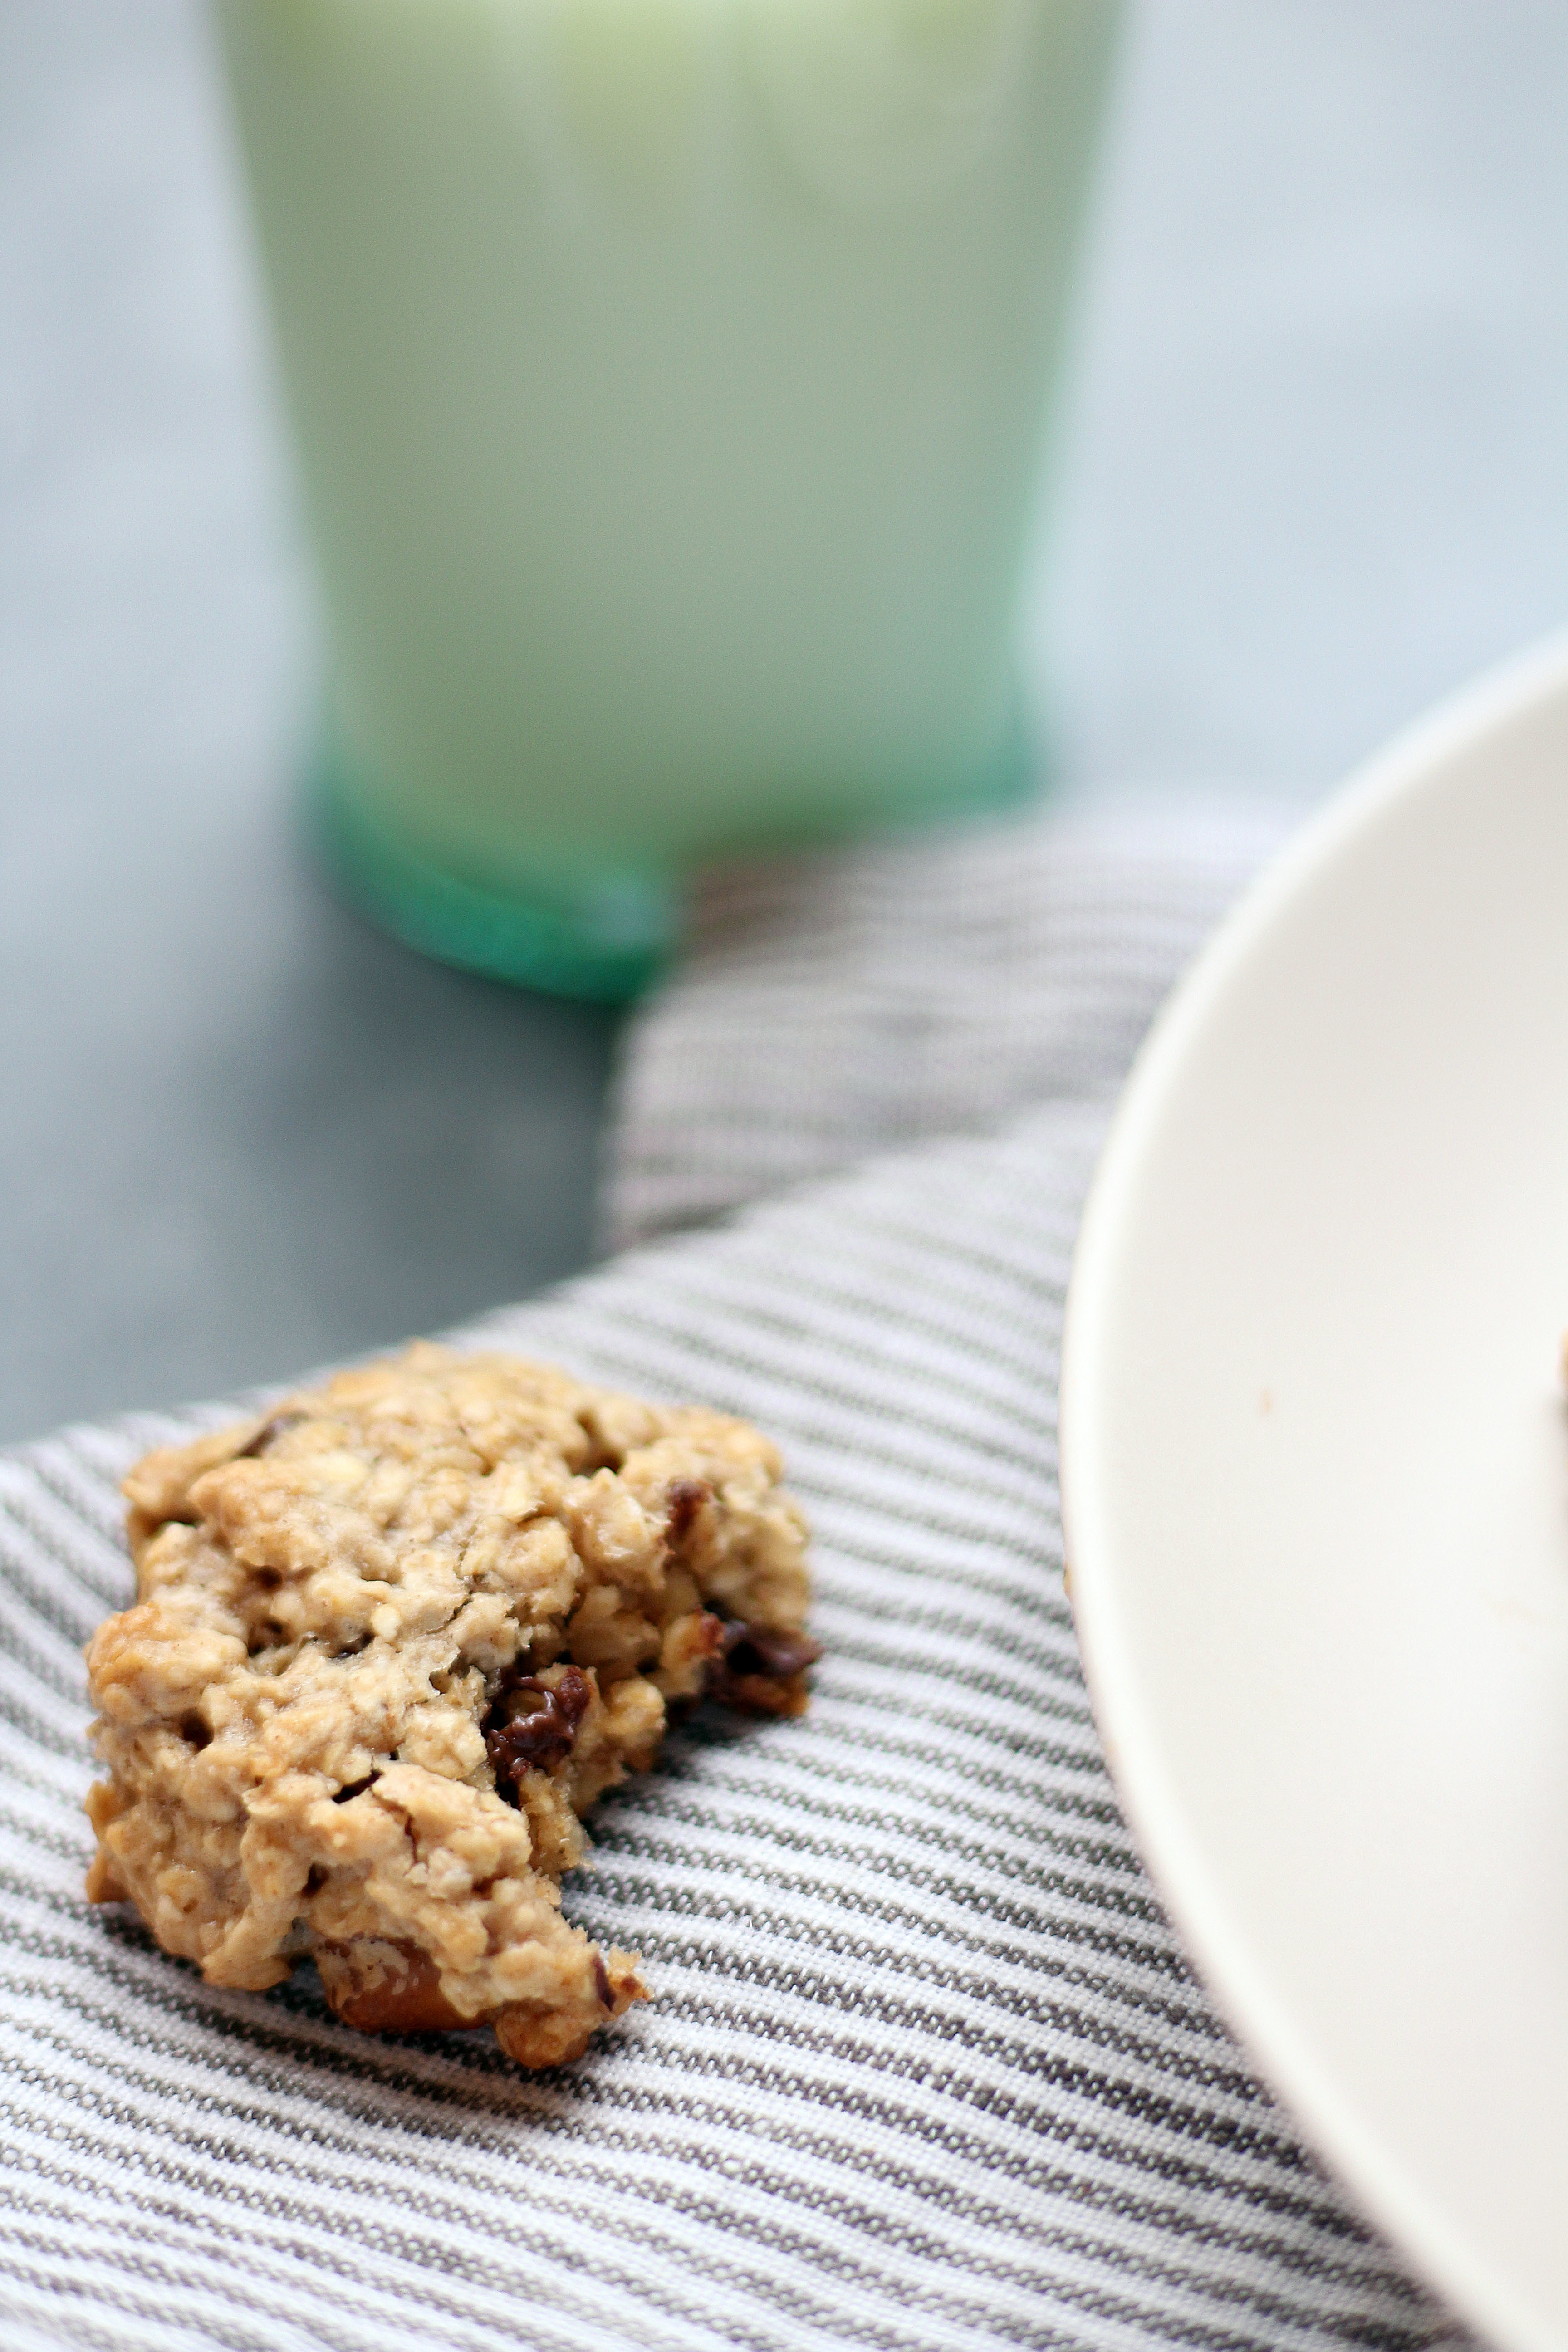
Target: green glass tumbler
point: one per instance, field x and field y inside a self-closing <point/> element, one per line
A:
<point x="668" y="379"/>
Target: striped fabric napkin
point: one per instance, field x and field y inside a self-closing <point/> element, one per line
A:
<point x="829" y="1007"/>
<point x="924" y="2066"/>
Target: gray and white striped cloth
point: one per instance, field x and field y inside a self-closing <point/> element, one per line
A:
<point x="833" y="1006"/>
<point x="925" y="2067"/>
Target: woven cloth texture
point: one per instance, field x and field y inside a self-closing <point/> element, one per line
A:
<point x="925" y="2067"/>
<point x="831" y="1007"/>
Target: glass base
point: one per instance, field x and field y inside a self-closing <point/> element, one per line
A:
<point x="605" y="939"/>
<point x="606" y="936"/>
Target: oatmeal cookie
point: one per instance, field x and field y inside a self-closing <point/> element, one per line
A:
<point x="389" y="1644"/>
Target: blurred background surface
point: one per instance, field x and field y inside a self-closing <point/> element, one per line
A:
<point x="1311" y="472"/>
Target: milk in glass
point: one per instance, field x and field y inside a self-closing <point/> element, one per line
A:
<point x="667" y="378"/>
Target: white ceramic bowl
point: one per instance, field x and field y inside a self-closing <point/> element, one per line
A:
<point x="1315" y="1475"/>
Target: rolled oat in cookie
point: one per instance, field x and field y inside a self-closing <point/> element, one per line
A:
<point x="390" y="1643"/>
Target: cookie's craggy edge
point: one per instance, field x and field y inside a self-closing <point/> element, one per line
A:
<point x="389" y="1642"/>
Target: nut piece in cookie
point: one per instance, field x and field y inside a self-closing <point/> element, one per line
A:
<point x="390" y="1643"/>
